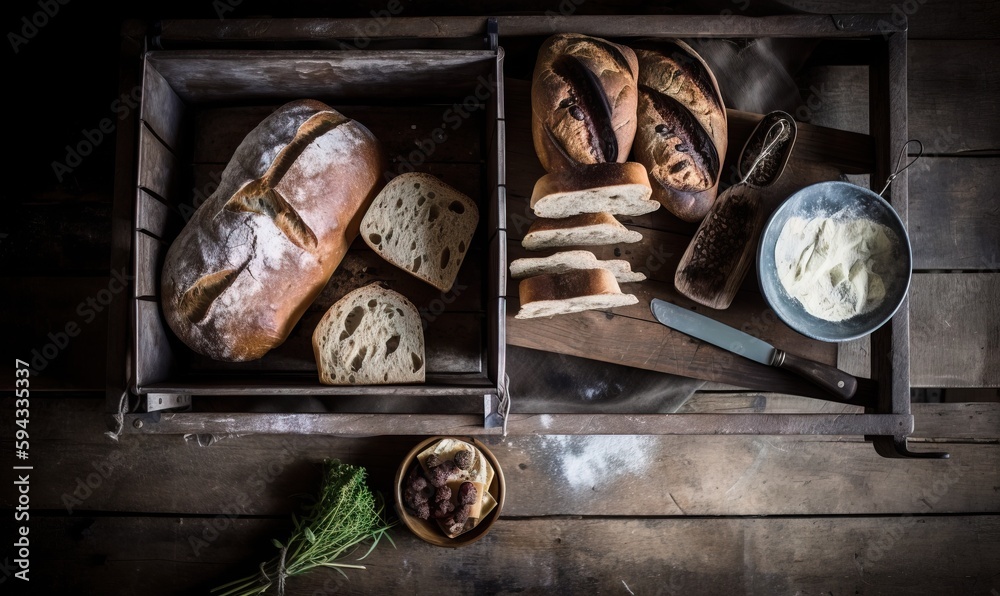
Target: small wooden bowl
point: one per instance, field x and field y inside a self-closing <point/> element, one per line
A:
<point x="428" y="530"/>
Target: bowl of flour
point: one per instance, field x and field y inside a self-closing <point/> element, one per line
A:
<point x="834" y="261"/>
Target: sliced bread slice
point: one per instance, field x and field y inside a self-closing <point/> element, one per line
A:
<point x="587" y="229"/>
<point x="371" y="336"/>
<point x="423" y="226"/>
<point x="569" y="260"/>
<point x="618" y="188"/>
<point x="574" y="291"/>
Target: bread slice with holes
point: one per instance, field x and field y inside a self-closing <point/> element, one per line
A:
<point x="570" y="260"/>
<point x="371" y="336"/>
<point x="587" y="229"/>
<point x="618" y="188"/>
<point x="573" y="291"/>
<point x="423" y="226"/>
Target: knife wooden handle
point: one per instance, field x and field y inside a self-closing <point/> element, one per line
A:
<point x="830" y="378"/>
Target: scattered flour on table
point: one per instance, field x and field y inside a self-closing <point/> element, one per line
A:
<point x="588" y="461"/>
<point x="834" y="266"/>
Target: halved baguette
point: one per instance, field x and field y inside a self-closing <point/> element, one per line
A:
<point x="570" y="260"/>
<point x="573" y="291"/>
<point x="618" y="188"/>
<point x="423" y="226"/>
<point x="579" y="230"/>
<point x="371" y="336"/>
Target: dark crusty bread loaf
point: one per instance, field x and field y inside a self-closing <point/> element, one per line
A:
<point x="572" y="291"/>
<point x="583" y="101"/>
<point x="371" y="336"/>
<point x="587" y="229"/>
<point x="682" y="131"/>
<point x="256" y="253"/>
<point x="618" y="188"/>
<point x="423" y="226"/>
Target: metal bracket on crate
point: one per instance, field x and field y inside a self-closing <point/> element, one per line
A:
<point x="492" y="34"/>
<point x="896" y="447"/>
<point x="167" y="401"/>
<point x="497" y="407"/>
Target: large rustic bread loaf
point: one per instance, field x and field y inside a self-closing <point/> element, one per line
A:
<point x="588" y="229"/>
<point x="423" y="226"/>
<point x="682" y="131"/>
<point x="569" y="292"/>
<point x="371" y="336"/>
<point x="256" y="253"/>
<point x="618" y="188"/>
<point x="583" y="101"/>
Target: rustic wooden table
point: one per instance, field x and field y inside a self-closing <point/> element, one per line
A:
<point x="624" y="514"/>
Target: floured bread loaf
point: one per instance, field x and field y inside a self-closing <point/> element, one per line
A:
<point x="578" y="230"/>
<point x="423" y="226"/>
<point x="570" y="260"/>
<point x="617" y="188"/>
<point x="371" y="336"/>
<point x="573" y="291"/>
<point x="256" y="253"/>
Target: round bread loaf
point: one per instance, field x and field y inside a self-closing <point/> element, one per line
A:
<point x="583" y="101"/>
<point x="256" y="253"/>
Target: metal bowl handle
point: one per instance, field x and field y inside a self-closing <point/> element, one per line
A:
<point x="899" y="160"/>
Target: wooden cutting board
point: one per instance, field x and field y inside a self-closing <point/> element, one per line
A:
<point x="630" y="335"/>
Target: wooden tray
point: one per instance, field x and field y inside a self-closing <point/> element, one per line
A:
<point x="629" y="336"/>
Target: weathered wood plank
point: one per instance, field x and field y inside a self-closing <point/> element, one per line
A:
<point x="954" y="213"/>
<point x="204" y="76"/>
<point x="926" y="19"/>
<point x="954" y="88"/>
<point x="956" y="330"/>
<point x="66" y="237"/>
<point x="885" y="555"/>
<point x="547" y="474"/>
<point x="59" y="326"/>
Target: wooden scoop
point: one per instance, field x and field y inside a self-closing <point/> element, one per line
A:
<point x="721" y="250"/>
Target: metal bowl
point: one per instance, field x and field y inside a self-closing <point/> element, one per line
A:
<point x="826" y="199"/>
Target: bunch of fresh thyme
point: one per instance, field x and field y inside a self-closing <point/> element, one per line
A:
<point x="346" y="514"/>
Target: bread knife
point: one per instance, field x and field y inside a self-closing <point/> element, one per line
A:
<point x="733" y="340"/>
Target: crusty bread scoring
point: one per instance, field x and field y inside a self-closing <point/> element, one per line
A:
<point x="569" y="292"/>
<point x="618" y="188"/>
<point x="583" y="101"/>
<point x="423" y="226"/>
<point x="371" y="336"/>
<point x="682" y="133"/>
<point x="256" y="253"/>
<point x="587" y="229"/>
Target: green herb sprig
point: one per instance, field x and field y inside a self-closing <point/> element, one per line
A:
<point x="347" y="514"/>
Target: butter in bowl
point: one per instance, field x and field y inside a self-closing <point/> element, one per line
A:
<point x="449" y="491"/>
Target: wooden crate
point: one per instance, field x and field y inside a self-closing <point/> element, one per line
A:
<point x="867" y="40"/>
<point x="434" y="110"/>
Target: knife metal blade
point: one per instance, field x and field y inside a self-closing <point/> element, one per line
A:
<point x="748" y="346"/>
